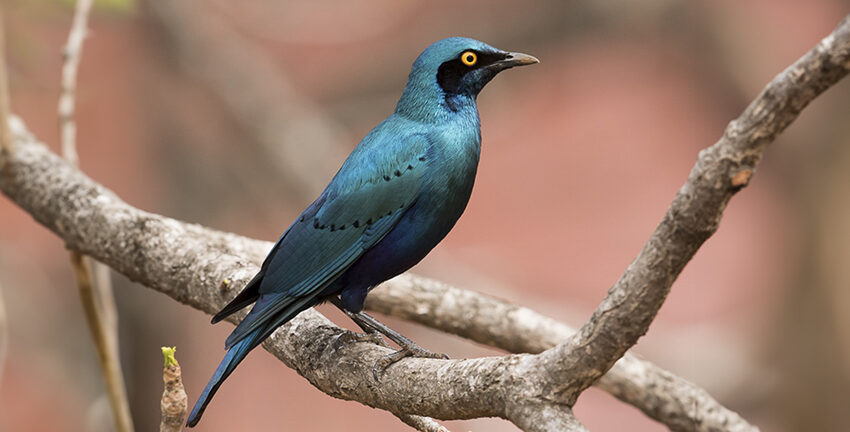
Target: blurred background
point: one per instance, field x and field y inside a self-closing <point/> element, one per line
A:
<point x="235" y="114"/>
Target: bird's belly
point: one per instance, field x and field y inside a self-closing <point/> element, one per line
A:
<point x="422" y="227"/>
<point x="440" y="202"/>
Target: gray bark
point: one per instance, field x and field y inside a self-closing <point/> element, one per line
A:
<point x="661" y="395"/>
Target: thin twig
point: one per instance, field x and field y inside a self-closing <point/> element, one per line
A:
<point x="422" y="424"/>
<point x="7" y="143"/>
<point x="102" y="281"/>
<point x="173" y="404"/>
<point x="109" y="363"/>
<point x="72" y="54"/>
<point x="95" y="295"/>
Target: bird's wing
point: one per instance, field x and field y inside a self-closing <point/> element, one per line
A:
<point x="368" y="196"/>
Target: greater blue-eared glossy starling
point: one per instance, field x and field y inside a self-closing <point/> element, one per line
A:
<point x="396" y="196"/>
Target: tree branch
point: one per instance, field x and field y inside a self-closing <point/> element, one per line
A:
<point x="189" y="263"/>
<point x="95" y="294"/>
<point x="72" y="55"/>
<point x="7" y="148"/>
<point x="424" y="424"/>
<point x="173" y="404"/>
<point x="721" y="170"/>
<point x="107" y="354"/>
<point x="7" y="143"/>
<point x="661" y="395"/>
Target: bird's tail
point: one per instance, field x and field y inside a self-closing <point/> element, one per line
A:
<point x="233" y="357"/>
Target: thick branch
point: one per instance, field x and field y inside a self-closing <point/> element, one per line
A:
<point x="661" y="395"/>
<point x="189" y="263"/>
<point x="721" y="170"/>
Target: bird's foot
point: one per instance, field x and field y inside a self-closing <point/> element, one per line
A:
<point x="348" y="337"/>
<point x="411" y="350"/>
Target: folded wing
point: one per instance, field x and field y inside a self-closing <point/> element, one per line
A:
<point x="362" y="204"/>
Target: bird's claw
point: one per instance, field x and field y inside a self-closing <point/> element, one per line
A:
<point x="408" y="351"/>
<point x="349" y="337"/>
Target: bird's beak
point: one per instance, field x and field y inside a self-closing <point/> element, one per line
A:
<point x="514" y="59"/>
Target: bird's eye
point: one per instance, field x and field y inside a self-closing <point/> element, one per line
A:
<point x="469" y="58"/>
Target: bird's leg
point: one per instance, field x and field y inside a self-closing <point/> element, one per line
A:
<point x="375" y="338"/>
<point x="371" y="326"/>
<point x="369" y="334"/>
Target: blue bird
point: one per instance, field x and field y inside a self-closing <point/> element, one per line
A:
<point x="396" y="196"/>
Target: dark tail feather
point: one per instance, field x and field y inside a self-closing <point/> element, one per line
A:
<point x="244" y="342"/>
<point x="233" y="357"/>
<point x="249" y="295"/>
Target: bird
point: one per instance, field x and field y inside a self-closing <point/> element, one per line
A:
<point x="396" y="196"/>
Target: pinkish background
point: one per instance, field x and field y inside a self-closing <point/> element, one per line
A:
<point x="581" y="156"/>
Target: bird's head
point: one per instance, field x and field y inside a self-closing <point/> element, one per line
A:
<point x="451" y="72"/>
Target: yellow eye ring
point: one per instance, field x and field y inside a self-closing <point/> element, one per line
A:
<point x="469" y="58"/>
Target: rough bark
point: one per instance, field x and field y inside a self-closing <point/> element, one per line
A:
<point x="673" y="401"/>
